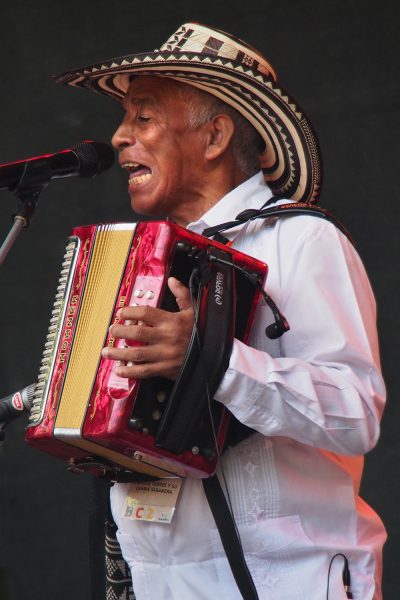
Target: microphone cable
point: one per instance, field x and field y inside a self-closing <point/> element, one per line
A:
<point x="345" y="575"/>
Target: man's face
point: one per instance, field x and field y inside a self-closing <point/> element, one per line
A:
<point x="164" y="157"/>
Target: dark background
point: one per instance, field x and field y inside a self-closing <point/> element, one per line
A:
<point x="340" y="61"/>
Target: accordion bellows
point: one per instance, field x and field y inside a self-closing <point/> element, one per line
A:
<point x="102" y="423"/>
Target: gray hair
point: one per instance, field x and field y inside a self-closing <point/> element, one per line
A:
<point x="247" y="144"/>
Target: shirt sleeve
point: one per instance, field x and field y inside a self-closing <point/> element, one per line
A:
<point x="325" y="388"/>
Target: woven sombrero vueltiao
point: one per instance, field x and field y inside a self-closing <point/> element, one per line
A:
<point x="228" y="68"/>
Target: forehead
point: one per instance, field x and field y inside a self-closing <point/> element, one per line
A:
<point x="152" y="91"/>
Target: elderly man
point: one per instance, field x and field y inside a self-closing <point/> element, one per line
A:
<point x="202" y="116"/>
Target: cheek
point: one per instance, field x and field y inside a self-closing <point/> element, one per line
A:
<point x="170" y="162"/>
<point x="176" y="159"/>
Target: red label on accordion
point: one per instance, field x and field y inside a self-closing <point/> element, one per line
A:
<point x="102" y="423"/>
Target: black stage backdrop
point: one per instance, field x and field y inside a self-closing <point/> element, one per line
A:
<point x="338" y="58"/>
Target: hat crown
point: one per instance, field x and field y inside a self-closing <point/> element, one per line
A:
<point x="193" y="37"/>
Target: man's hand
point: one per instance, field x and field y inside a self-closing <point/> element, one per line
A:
<point x="164" y="337"/>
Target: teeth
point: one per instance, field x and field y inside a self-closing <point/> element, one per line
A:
<point x="139" y="179"/>
<point x="130" y="165"/>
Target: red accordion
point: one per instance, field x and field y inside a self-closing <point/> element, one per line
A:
<point x="102" y="423"/>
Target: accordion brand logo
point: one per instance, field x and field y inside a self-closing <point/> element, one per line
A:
<point x="219" y="289"/>
<point x="17" y="401"/>
<point x="69" y="323"/>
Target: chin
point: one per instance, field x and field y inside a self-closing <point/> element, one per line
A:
<point x="142" y="208"/>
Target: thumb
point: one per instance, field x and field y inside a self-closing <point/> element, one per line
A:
<point x="181" y="293"/>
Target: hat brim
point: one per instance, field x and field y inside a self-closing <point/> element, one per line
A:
<point x="294" y="163"/>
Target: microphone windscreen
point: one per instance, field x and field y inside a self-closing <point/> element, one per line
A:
<point x="93" y="157"/>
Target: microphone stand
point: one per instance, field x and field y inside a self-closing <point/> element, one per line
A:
<point x="35" y="177"/>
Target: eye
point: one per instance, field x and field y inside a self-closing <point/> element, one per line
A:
<point x="143" y="118"/>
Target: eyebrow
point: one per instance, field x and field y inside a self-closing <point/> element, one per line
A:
<point x="138" y="101"/>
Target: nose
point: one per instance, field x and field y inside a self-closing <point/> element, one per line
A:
<point x="123" y="136"/>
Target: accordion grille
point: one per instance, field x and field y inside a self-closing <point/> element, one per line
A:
<point x="108" y="258"/>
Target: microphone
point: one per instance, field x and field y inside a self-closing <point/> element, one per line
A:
<point x="15" y="405"/>
<point x="278" y="327"/>
<point x="86" y="159"/>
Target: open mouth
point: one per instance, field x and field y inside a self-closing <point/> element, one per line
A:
<point x="138" y="173"/>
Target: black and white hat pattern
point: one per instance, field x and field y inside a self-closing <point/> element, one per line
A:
<point x="228" y="68"/>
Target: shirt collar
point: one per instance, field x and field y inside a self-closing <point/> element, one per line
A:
<point x="252" y="193"/>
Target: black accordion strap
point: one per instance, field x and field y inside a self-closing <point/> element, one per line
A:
<point x="204" y="366"/>
<point x="229" y="537"/>
<point x="289" y="209"/>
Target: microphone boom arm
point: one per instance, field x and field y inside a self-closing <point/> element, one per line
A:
<point x="32" y="182"/>
<point x="28" y="178"/>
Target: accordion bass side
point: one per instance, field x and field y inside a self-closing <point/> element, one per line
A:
<point x="107" y="425"/>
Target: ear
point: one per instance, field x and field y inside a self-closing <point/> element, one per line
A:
<point x="219" y="136"/>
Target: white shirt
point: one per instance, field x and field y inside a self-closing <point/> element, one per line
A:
<point x="315" y="396"/>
